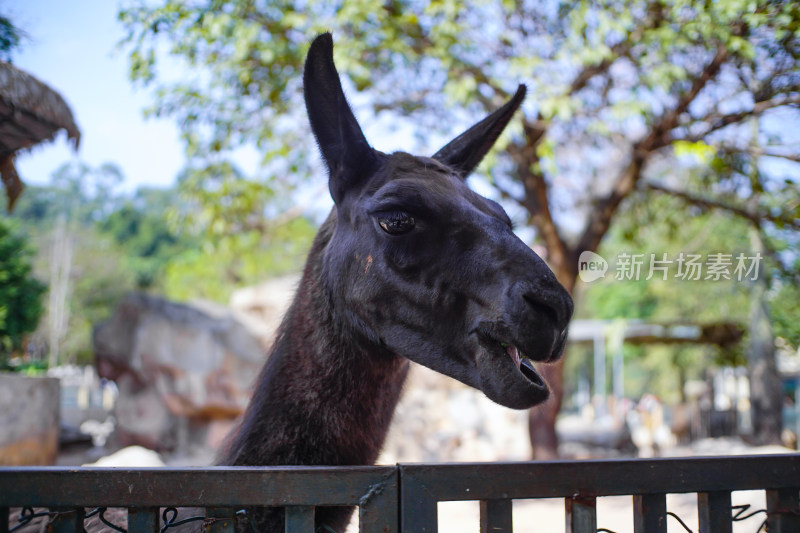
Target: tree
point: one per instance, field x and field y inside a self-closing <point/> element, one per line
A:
<point x="86" y="272"/>
<point x="656" y="230"/>
<point x="20" y="293"/>
<point x="10" y="38"/>
<point x="142" y="232"/>
<point x="241" y="229"/>
<point x="628" y="99"/>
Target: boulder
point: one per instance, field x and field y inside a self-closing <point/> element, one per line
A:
<point x="261" y="307"/>
<point x="29" y="416"/>
<point x="180" y="368"/>
<point x="439" y="419"/>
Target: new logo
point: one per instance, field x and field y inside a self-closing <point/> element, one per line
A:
<point x="591" y="267"/>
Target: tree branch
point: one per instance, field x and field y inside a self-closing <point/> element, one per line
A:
<point x="719" y="121"/>
<point x="526" y="159"/>
<point x="481" y="78"/>
<point x="600" y="218"/>
<point x="772" y="253"/>
<point x="757" y="152"/>
<point x="535" y="200"/>
<point x="620" y="49"/>
<point x="590" y="71"/>
<point x="756" y="217"/>
<point x="660" y="132"/>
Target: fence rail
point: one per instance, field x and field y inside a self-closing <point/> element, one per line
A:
<point x="404" y="498"/>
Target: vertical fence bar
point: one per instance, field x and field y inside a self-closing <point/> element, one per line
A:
<point x="5" y="518"/>
<point x="418" y="507"/>
<point x="378" y="510"/>
<point x="225" y="519"/>
<point x="714" y="512"/>
<point x="496" y="516"/>
<point x="581" y="514"/>
<point x="143" y="520"/>
<point x="299" y="519"/>
<point x="783" y="510"/>
<point x="650" y="513"/>
<point x="67" y="520"/>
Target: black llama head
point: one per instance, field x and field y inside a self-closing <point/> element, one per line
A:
<point x="420" y="266"/>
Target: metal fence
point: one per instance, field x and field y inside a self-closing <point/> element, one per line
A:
<point x="404" y="498"/>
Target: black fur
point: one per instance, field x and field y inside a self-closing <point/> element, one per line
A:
<point x="449" y="293"/>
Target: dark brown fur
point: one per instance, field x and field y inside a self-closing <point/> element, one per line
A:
<point x="410" y="265"/>
<point x="325" y="397"/>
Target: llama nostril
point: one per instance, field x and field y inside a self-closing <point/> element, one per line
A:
<point x="549" y="312"/>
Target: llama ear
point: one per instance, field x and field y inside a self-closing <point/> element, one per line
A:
<point x="346" y="152"/>
<point x="463" y="153"/>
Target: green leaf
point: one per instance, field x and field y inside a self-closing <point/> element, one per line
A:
<point x="699" y="150"/>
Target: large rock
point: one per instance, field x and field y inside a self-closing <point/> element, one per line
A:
<point x="29" y="418"/>
<point x="261" y="307"/>
<point x="182" y="370"/>
<point x="439" y="419"/>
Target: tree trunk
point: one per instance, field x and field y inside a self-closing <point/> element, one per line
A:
<point x="766" y="388"/>
<point x="60" y="267"/>
<point x="542" y="418"/>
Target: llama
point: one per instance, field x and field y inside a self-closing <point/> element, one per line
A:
<point x="411" y="265"/>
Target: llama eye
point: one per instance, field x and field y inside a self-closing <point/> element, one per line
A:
<point x="396" y="222"/>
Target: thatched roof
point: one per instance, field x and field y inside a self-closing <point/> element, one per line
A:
<point x="30" y="113"/>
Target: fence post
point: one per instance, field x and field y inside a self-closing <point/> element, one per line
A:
<point x="225" y="520"/>
<point x="714" y="512"/>
<point x="783" y="510"/>
<point x="418" y="507"/>
<point x="67" y="520"/>
<point x="378" y="509"/>
<point x="581" y="513"/>
<point x="496" y="516"/>
<point x="650" y="513"/>
<point x="299" y="519"/>
<point x="143" y="520"/>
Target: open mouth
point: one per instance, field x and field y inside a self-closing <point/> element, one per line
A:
<point x="506" y="374"/>
<point x="524" y="364"/>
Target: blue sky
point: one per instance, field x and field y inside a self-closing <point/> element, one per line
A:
<point x="71" y="46"/>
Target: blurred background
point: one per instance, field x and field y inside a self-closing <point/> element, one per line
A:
<point x="161" y="189"/>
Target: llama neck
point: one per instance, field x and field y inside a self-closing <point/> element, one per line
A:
<point x="324" y="397"/>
